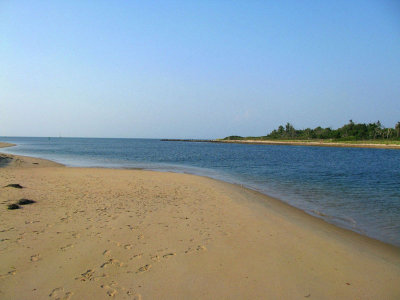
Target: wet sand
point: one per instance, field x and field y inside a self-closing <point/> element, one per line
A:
<point x="19" y="161"/>
<point x="135" y="234"/>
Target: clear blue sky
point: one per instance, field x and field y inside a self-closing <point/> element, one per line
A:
<point x="195" y="69"/>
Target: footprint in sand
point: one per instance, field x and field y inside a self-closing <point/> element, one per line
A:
<point x="35" y="257"/>
<point x="136" y="256"/>
<point x="168" y="255"/>
<point x="66" y="219"/>
<point x="76" y="235"/>
<point x="131" y="227"/>
<point x="97" y="278"/>
<point x="60" y="294"/>
<point x="5" y="230"/>
<point x="88" y="275"/>
<point x="66" y="247"/>
<point x="128" y="246"/>
<point x="155" y="258"/>
<point x="111" y="292"/>
<point x="118" y="244"/>
<point x="10" y="273"/>
<point x="112" y="261"/>
<point x="144" y="268"/>
<point x="130" y="292"/>
<point x="198" y="248"/>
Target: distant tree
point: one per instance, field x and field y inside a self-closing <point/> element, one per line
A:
<point x="289" y="130"/>
<point x="397" y="128"/>
<point x="308" y="134"/>
<point x="281" y="130"/>
<point x="378" y="129"/>
<point x="349" y="131"/>
<point x="389" y="133"/>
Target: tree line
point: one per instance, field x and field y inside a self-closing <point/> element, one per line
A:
<point x="348" y="132"/>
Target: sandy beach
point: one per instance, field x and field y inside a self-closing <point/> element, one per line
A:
<point x="133" y="234"/>
<point x="312" y="143"/>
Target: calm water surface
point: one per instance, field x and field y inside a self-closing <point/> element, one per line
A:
<point x="355" y="188"/>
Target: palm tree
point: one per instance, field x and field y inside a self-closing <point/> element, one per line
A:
<point x="397" y="127"/>
<point x="378" y="129"/>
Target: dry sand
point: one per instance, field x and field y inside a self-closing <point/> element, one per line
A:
<point x="132" y="234"/>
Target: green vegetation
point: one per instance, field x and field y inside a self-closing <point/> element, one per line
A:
<point x="349" y="133"/>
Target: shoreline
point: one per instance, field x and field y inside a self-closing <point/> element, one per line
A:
<point x="5" y="145"/>
<point x="120" y="233"/>
<point x="315" y="144"/>
<point x="18" y="161"/>
<point x="292" y="143"/>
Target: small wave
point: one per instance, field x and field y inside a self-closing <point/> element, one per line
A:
<point x="346" y="219"/>
<point x="350" y="222"/>
<point x="316" y="212"/>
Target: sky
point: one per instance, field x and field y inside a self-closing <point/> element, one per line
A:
<point x="196" y="69"/>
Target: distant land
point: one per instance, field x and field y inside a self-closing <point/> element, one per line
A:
<point x="360" y="135"/>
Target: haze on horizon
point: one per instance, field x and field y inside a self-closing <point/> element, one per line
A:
<point x="206" y="69"/>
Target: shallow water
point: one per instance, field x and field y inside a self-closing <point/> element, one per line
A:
<point x="356" y="188"/>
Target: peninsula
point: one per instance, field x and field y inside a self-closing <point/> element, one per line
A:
<point x="372" y="135"/>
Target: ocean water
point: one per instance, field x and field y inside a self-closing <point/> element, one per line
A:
<point x="355" y="188"/>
